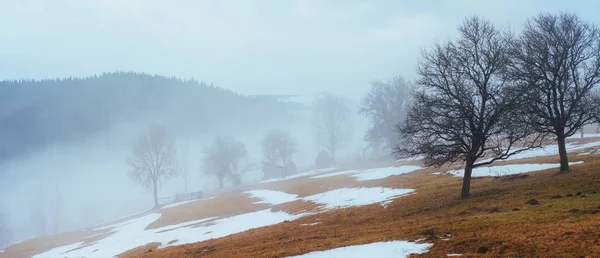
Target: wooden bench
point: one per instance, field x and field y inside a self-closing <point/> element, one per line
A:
<point x="189" y="196"/>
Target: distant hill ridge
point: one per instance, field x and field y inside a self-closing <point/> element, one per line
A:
<point x="38" y="113"/>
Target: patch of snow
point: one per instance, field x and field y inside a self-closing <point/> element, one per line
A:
<point x="311" y="224"/>
<point x="172" y="205"/>
<point x="272" y="197"/>
<point x="380" y="249"/>
<point x="132" y="234"/>
<point x="386" y="203"/>
<point x="346" y="172"/>
<point x="415" y="158"/>
<point x="549" y="150"/>
<point x="506" y="169"/>
<point x="346" y="197"/>
<point x="451" y="255"/>
<point x="226" y="226"/>
<point x="60" y="251"/>
<point x="297" y="175"/>
<point x="379" y="173"/>
<point x="95" y="235"/>
<point x="119" y="218"/>
<point x="588" y="135"/>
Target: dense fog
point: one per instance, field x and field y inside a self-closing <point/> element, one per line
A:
<point x="65" y="159"/>
<point x="71" y="112"/>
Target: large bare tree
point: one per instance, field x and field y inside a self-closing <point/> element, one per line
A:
<point x="558" y="58"/>
<point x="332" y="119"/>
<point x="154" y="158"/>
<point x="385" y="106"/>
<point x="222" y="158"/>
<point x="464" y="107"/>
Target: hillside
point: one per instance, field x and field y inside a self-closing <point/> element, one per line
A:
<point x="398" y="208"/>
<point x="39" y="114"/>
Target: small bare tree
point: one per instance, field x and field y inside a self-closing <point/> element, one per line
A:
<point x="278" y="147"/>
<point x="558" y="58"/>
<point x="464" y="106"/>
<point x="332" y="119"/>
<point x="385" y="106"/>
<point x="222" y="159"/>
<point x="154" y="158"/>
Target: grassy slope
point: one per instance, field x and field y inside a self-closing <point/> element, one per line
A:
<point x="495" y="218"/>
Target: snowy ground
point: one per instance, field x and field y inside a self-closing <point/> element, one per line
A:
<point x="372" y="174"/>
<point x="272" y="197"/>
<point x="391" y="249"/>
<point x="177" y="204"/>
<point x="505" y="169"/>
<point x="346" y="197"/>
<point x="126" y="236"/>
<point x="130" y="234"/>
<point x="380" y="173"/>
<point x="303" y="174"/>
<point x="548" y="150"/>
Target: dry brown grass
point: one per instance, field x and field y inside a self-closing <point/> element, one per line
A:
<point x="495" y="218"/>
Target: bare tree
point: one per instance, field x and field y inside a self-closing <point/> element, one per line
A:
<point x="385" y="106"/>
<point x="332" y="119"/>
<point x="154" y="158"/>
<point x="184" y="165"/>
<point x="278" y="147"/>
<point x="464" y="106"/>
<point x="558" y="58"/>
<point x="222" y="159"/>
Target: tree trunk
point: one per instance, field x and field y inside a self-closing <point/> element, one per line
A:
<point x="155" y="193"/>
<point x="562" y="151"/>
<point x="221" y="177"/>
<point x="332" y="156"/>
<point x="466" y="186"/>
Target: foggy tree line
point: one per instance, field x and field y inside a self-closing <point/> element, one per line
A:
<point x="40" y="114"/>
<point x="492" y="93"/>
<point x="155" y="156"/>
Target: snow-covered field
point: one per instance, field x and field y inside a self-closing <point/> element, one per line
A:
<point x="373" y="174"/>
<point x="549" y="150"/>
<point x="505" y="169"/>
<point x="124" y="236"/>
<point x="298" y="175"/>
<point x="380" y="173"/>
<point x="128" y="235"/>
<point x="346" y="197"/>
<point x="133" y="233"/>
<point x="391" y="249"/>
<point x="173" y="205"/>
<point x="272" y="197"/>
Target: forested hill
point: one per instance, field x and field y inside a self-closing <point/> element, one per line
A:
<point x="35" y="114"/>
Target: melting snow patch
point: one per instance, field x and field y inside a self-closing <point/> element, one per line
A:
<point x="311" y="224"/>
<point x="454" y="255"/>
<point x="272" y="197"/>
<point x="347" y="172"/>
<point x="303" y="174"/>
<point x="380" y="249"/>
<point x="346" y="197"/>
<point x="58" y="251"/>
<point x="132" y="234"/>
<point x="507" y="169"/>
<point x="177" y="204"/>
<point x="379" y="173"/>
<point x="549" y="150"/>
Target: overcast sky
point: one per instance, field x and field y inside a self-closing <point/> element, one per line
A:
<point x="253" y="47"/>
